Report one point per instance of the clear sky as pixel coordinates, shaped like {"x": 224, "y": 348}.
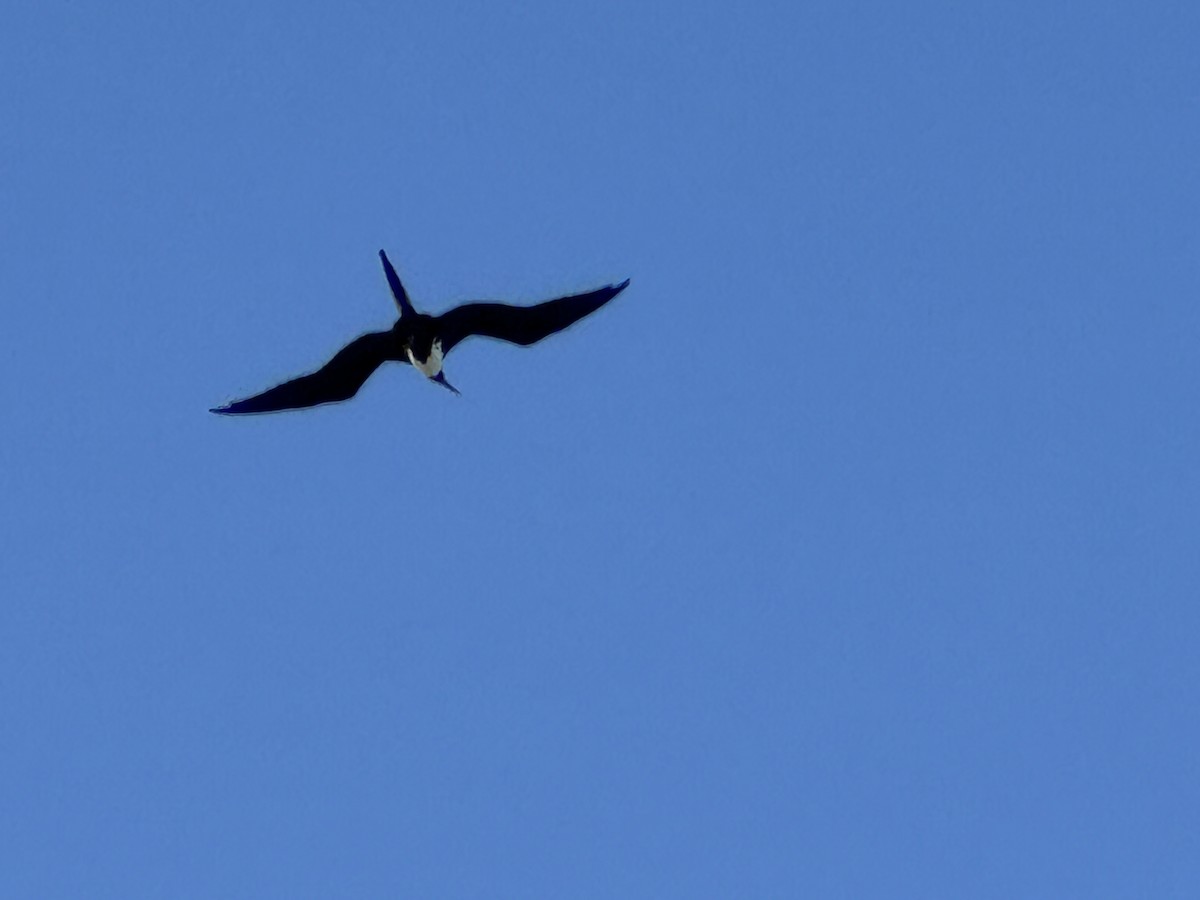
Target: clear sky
{"x": 851, "y": 552}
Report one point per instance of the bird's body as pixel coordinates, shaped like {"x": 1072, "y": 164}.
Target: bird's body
{"x": 422, "y": 341}
{"x": 432, "y": 364}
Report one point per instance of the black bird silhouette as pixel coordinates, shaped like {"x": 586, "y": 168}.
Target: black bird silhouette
{"x": 423, "y": 341}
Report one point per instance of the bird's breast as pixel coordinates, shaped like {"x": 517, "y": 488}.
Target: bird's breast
{"x": 432, "y": 364}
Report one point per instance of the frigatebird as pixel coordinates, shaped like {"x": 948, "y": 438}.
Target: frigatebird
{"x": 423, "y": 341}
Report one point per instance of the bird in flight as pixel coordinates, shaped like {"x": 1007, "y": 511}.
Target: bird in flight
{"x": 423, "y": 341}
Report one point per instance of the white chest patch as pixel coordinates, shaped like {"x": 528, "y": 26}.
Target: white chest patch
{"x": 431, "y": 366}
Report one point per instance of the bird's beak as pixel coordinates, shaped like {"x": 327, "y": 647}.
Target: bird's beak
{"x": 440, "y": 378}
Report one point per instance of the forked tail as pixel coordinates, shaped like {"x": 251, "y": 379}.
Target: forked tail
{"x": 398, "y": 292}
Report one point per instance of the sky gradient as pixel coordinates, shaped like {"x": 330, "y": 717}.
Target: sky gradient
{"x": 850, "y": 552}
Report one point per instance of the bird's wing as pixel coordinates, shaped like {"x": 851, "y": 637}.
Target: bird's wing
{"x": 338, "y": 379}
{"x": 523, "y": 325}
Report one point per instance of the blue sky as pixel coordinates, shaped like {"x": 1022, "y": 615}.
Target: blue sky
{"x": 851, "y": 552}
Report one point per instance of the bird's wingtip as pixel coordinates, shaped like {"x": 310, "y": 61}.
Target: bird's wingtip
{"x": 624, "y": 284}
